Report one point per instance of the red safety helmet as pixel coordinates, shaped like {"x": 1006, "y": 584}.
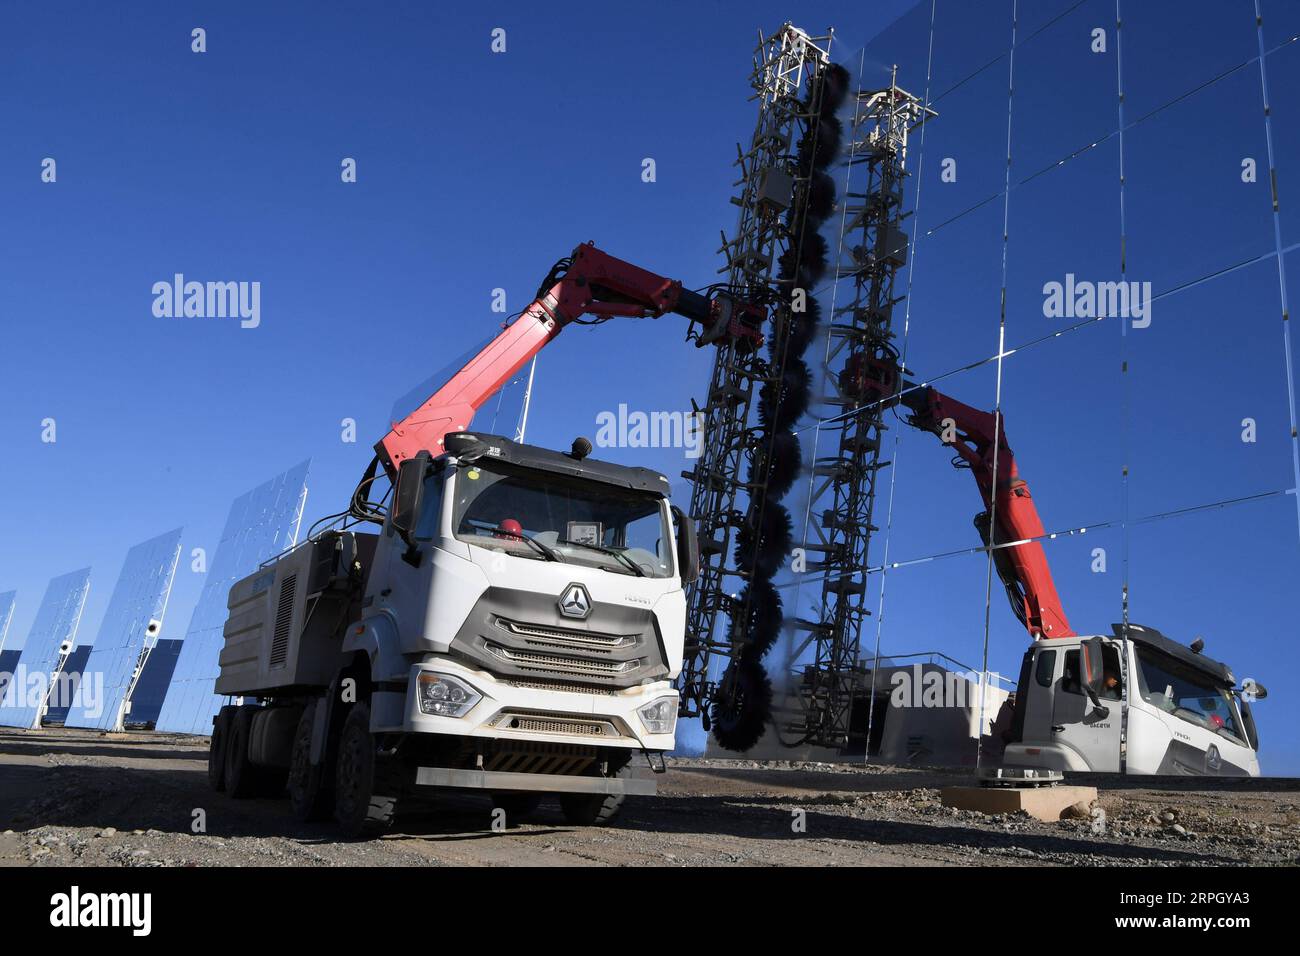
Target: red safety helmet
{"x": 509, "y": 528}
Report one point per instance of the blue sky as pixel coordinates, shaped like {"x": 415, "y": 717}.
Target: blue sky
{"x": 477, "y": 170}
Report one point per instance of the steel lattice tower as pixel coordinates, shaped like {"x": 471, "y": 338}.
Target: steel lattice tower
{"x": 859, "y": 362}
{"x": 784, "y": 63}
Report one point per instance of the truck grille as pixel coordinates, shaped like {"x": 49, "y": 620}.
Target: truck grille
{"x": 560, "y": 664}
{"x": 563, "y": 637}
{"x": 547, "y": 723}
{"x": 521, "y": 635}
{"x": 563, "y": 687}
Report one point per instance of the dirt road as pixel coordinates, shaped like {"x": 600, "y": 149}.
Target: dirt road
{"x": 76, "y": 797}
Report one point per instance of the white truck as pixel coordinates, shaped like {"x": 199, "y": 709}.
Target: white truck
{"x": 1134, "y": 701}
{"x": 1186, "y": 715}
{"x": 514, "y": 628}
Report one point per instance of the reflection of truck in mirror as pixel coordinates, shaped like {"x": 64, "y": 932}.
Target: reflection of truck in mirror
{"x": 513, "y": 628}
{"x": 1185, "y": 714}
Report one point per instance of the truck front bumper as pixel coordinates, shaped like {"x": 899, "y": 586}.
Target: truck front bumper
{"x": 545, "y": 714}
{"x": 497, "y": 780}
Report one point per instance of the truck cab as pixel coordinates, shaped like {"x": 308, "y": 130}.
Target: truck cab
{"x": 1185, "y": 715}
{"x": 514, "y": 628}
{"x": 540, "y": 590}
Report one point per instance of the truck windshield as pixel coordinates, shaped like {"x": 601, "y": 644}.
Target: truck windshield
{"x": 497, "y": 505}
{"x": 1182, "y": 691}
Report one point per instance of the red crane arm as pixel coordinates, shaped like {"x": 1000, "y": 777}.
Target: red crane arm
{"x": 979, "y": 436}
{"x": 591, "y": 282}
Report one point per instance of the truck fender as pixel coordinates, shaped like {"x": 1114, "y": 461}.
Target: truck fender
{"x": 319, "y": 729}
{"x": 327, "y": 717}
{"x": 376, "y": 637}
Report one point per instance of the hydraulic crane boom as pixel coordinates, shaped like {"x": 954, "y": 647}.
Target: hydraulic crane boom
{"x": 590, "y": 282}
{"x": 980, "y": 438}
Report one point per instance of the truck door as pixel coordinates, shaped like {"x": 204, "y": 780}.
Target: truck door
{"x": 1080, "y": 725}
{"x": 408, "y": 582}
{"x": 1039, "y": 691}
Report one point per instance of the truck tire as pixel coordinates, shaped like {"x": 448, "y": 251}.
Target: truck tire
{"x": 308, "y": 795}
{"x": 358, "y": 809}
{"x": 242, "y": 777}
{"x": 591, "y": 809}
{"x": 217, "y": 747}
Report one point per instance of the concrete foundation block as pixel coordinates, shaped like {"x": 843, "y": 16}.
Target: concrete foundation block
{"x": 1041, "y": 803}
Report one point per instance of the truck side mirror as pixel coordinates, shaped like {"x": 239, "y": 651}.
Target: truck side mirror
{"x": 1092, "y": 670}
{"x": 409, "y": 495}
{"x": 1253, "y": 690}
{"x": 1091, "y": 665}
{"x": 688, "y": 547}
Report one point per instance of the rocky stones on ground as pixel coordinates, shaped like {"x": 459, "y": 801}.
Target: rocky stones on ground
{"x": 118, "y": 809}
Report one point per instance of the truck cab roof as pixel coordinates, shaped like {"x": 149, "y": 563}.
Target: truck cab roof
{"x": 470, "y": 446}
{"x": 1152, "y": 638}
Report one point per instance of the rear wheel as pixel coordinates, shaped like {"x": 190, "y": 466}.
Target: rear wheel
{"x": 217, "y": 748}
{"x": 308, "y": 795}
{"x": 242, "y": 778}
{"x": 358, "y": 809}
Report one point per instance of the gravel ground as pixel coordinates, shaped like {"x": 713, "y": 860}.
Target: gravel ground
{"x": 81, "y": 798}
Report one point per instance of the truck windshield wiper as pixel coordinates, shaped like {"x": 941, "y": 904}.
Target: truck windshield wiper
{"x": 546, "y": 552}
{"x": 619, "y": 555}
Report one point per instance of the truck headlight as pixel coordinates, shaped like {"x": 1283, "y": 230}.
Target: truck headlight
{"x": 445, "y": 696}
{"x": 659, "y": 716}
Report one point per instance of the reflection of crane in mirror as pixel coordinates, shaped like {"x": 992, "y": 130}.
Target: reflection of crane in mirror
{"x": 521, "y": 426}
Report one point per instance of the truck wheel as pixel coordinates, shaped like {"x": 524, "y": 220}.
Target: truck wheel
{"x": 518, "y": 806}
{"x": 308, "y": 795}
{"x": 242, "y": 777}
{"x": 217, "y": 747}
{"x": 590, "y": 809}
{"x": 357, "y": 808}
